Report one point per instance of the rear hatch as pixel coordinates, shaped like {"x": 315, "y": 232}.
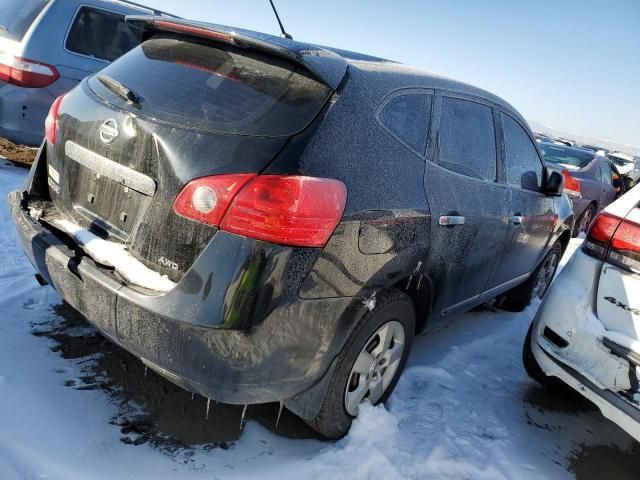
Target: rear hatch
{"x": 171, "y": 110}
{"x": 618, "y": 298}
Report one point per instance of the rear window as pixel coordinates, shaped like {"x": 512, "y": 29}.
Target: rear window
{"x": 566, "y": 156}
{"x": 16, "y": 16}
{"x": 215, "y": 88}
{"x": 100, "y": 34}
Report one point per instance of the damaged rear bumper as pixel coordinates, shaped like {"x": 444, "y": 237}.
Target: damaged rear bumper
{"x": 570, "y": 343}
{"x": 199, "y": 335}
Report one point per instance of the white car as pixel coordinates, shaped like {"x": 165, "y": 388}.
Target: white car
{"x": 586, "y": 334}
{"x": 627, "y": 166}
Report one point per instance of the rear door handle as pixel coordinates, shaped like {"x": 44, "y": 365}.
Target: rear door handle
{"x": 517, "y": 219}
{"x": 451, "y": 220}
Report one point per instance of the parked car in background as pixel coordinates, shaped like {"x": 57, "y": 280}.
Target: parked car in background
{"x": 541, "y": 137}
{"x": 599, "y": 150}
{"x": 586, "y": 334}
{"x": 275, "y": 221}
{"x": 47, "y": 47}
{"x": 588, "y": 180}
{"x": 564, "y": 141}
{"x": 627, "y": 166}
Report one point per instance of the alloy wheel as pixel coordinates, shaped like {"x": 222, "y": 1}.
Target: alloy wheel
{"x": 545, "y": 275}
{"x": 375, "y": 366}
{"x": 585, "y": 220}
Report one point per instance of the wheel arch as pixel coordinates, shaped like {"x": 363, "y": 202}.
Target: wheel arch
{"x": 419, "y": 288}
{"x": 564, "y": 239}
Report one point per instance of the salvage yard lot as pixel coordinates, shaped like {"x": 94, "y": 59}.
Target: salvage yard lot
{"x": 74, "y": 406}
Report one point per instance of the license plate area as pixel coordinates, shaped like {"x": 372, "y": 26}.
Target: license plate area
{"x": 106, "y": 194}
{"x": 105, "y": 203}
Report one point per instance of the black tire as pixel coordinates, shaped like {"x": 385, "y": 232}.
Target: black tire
{"x": 333, "y": 421}
{"x": 519, "y": 298}
{"x": 584, "y": 220}
{"x": 533, "y": 369}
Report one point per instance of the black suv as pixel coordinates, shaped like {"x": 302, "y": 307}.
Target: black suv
{"x": 264, "y": 220}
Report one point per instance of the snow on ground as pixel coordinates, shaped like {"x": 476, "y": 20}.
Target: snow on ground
{"x": 464, "y": 408}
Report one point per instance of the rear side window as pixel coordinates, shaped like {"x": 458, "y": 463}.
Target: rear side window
{"x": 605, "y": 174}
{"x": 407, "y": 116}
{"x": 16, "y": 16}
{"x": 522, "y": 163}
{"x": 189, "y": 83}
{"x": 100, "y": 34}
{"x": 466, "y": 141}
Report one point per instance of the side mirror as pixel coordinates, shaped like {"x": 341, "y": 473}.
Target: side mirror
{"x": 554, "y": 183}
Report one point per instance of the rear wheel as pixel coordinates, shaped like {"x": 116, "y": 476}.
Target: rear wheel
{"x": 582, "y": 225}
{"x": 536, "y": 286}
{"x": 369, "y": 365}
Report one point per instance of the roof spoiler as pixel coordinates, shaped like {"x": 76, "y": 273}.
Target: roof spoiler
{"x": 155, "y": 11}
{"x": 327, "y": 66}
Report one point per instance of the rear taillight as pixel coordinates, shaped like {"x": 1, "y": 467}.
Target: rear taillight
{"x": 51, "y": 122}
{"x": 625, "y": 246}
{"x": 206, "y": 199}
{"x": 572, "y": 185}
{"x": 600, "y": 234}
{"x": 615, "y": 240}
{"x": 288, "y": 210}
{"x": 26, "y": 73}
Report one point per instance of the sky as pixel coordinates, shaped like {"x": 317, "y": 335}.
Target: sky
{"x": 570, "y": 65}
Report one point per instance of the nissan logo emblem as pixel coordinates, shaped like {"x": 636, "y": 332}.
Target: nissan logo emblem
{"x": 109, "y": 131}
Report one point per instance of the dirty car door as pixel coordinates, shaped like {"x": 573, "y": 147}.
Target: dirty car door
{"x": 466, "y": 202}
{"x": 531, "y": 212}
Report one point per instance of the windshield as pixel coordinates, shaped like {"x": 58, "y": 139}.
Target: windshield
{"x": 573, "y": 158}
{"x": 16, "y": 16}
{"x": 217, "y": 88}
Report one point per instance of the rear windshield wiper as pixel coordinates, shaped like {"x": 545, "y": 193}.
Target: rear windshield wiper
{"x": 119, "y": 89}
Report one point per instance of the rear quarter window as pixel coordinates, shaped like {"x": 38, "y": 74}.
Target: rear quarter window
{"x": 16, "y": 16}
{"x": 211, "y": 87}
{"x": 100, "y": 34}
{"x": 406, "y": 116}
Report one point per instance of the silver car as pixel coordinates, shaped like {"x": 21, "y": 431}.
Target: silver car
{"x": 47, "y": 47}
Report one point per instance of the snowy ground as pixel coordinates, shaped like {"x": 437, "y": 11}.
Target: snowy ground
{"x": 73, "y": 406}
